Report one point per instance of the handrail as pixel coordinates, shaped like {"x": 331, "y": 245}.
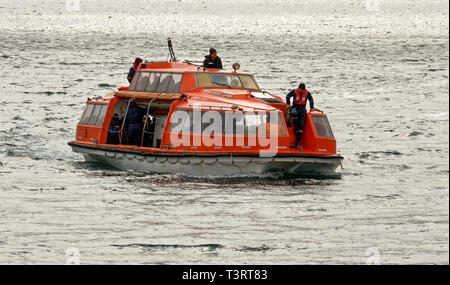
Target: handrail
{"x": 142, "y": 95}
{"x": 315, "y": 109}
{"x": 231, "y": 107}
{"x": 124, "y": 119}
{"x": 145, "y": 123}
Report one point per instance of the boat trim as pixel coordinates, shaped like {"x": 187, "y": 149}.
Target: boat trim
{"x": 227, "y": 154}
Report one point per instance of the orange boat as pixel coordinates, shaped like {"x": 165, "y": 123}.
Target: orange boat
{"x": 203, "y": 122}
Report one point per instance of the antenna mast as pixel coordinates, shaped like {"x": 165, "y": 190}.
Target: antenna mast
{"x": 172, "y": 54}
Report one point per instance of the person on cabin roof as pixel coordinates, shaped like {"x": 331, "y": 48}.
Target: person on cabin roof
{"x": 212, "y": 60}
{"x": 134, "y": 124}
{"x": 114, "y": 130}
{"x": 299, "y": 107}
{"x": 133, "y": 69}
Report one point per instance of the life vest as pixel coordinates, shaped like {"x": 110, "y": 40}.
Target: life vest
{"x": 300, "y": 99}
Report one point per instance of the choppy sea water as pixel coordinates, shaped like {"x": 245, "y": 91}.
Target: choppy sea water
{"x": 381, "y": 76}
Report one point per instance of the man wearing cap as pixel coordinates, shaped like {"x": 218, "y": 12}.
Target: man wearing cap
{"x": 133, "y": 69}
{"x": 212, "y": 60}
{"x": 299, "y": 107}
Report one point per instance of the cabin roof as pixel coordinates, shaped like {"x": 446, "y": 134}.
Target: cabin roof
{"x": 179, "y": 67}
{"x": 244, "y": 101}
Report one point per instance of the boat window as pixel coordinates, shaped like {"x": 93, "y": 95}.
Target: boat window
{"x": 228, "y": 123}
{"x": 87, "y": 114}
{"x": 142, "y": 81}
{"x": 226, "y": 80}
{"x": 181, "y": 121}
{"x": 221, "y": 80}
{"x": 248, "y": 82}
{"x": 323, "y": 128}
{"x": 101, "y": 116}
{"x": 153, "y": 82}
{"x": 281, "y": 126}
{"x": 233, "y": 123}
{"x": 134, "y": 80}
{"x": 253, "y": 122}
{"x": 163, "y": 82}
{"x": 157, "y": 82}
{"x": 260, "y": 123}
{"x": 94, "y": 115}
{"x": 175, "y": 83}
{"x": 203, "y": 80}
{"x": 212, "y": 122}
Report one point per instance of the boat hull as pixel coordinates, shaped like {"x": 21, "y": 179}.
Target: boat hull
{"x": 211, "y": 165}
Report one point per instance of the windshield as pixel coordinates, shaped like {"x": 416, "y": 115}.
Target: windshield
{"x": 226, "y": 80}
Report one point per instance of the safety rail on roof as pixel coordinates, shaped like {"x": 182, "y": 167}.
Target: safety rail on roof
{"x": 233, "y": 107}
{"x": 148, "y": 95}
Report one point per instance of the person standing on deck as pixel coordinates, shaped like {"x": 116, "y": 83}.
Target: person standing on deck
{"x": 134, "y": 124}
{"x": 133, "y": 69}
{"x": 212, "y": 60}
{"x": 299, "y": 107}
{"x": 114, "y": 130}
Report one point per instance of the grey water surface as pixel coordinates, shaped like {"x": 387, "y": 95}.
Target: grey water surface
{"x": 381, "y": 75}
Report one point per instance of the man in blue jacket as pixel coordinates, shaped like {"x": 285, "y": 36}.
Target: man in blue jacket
{"x": 299, "y": 107}
{"x": 134, "y": 124}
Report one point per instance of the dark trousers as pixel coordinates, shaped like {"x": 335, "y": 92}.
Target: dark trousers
{"x": 113, "y": 135}
{"x": 301, "y": 119}
{"x": 134, "y": 134}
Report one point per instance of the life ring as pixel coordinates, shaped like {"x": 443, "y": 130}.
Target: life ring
{"x": 184, "y": 161}
{"x": 172, "y": 160}
{"x": 195, "y": 161}
{"x": 241, "y": 164}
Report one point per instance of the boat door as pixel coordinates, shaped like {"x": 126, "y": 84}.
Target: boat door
{"x": 160, "y": 122}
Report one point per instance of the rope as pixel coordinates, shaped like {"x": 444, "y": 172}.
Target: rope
{"x": 264, "y": 162}
{"x": 148, "y": 159}
{"x": 242, "y": 164}
{"x": 113, "y": 155}
{"x": 129, "y": 157}
{"x": 169, "y": 161}
{"x": 190, "y": 161}
{"x": 161, "y": 160}
{"x": 184, "y": 161}
{"x": 210, "y": 163}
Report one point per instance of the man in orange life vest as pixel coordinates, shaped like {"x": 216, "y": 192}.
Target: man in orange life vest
{"x": 299, "y": 107}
